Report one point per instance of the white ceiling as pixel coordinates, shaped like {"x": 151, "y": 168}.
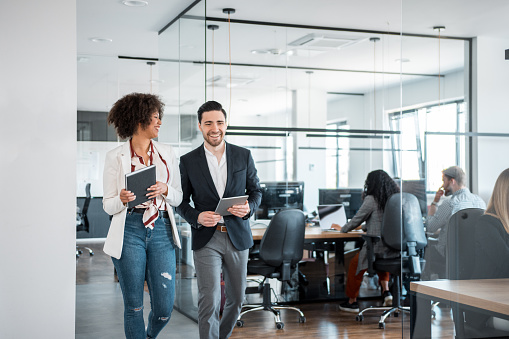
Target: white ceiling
{"x": 134, "y": 32}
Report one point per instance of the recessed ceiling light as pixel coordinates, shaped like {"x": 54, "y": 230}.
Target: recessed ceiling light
{"x": 157, "y": 81}
{"x": 274, "y": 51}
{"x": 402, "y": 60}
{"x": 106, "y": 40}
{"x": 260, "y": 51}
{"x": 83, "y": 59}
{"x": 135, "y": 3}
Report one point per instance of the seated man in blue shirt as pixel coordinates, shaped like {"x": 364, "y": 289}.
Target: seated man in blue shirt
{"x": 438, "y": 215}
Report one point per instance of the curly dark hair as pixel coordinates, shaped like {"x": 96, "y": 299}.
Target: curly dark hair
{"x": 134, "y": 109}
{"x": 381, "y": 186}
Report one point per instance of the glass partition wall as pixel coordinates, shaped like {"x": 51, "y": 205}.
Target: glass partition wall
{"x": 311, "y": 104}
{"x": 440, "y": 121}
{"x": 319, "y": 108}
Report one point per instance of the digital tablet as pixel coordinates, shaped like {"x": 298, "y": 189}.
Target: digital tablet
{"x": 225, "y": 203}
{"x": 138, "y": 182}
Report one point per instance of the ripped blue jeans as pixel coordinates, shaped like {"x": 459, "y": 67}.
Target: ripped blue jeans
{"x": 146, "y": 255}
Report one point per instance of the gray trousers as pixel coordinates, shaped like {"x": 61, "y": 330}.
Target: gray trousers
{"x": 219, "y": 254}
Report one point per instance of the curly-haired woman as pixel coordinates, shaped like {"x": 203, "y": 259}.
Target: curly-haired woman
{"x": 142, "y": 240}
{"x": 378, "y": 187}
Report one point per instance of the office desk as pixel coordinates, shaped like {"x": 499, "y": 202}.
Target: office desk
{"x": 488, "y": 296}
{"x": 316, "y": 235}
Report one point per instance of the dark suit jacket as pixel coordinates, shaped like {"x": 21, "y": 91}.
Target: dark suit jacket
{"x": 197, "y": 185}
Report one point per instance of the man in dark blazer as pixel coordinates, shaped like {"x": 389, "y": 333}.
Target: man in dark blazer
{"x": 213, "y": 171}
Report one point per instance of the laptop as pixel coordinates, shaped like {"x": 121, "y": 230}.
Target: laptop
{"x": 331, "y": 214}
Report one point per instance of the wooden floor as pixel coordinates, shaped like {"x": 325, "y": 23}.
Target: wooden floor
{"x": 324, "y": 320}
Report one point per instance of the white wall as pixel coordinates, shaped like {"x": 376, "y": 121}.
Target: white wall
{"x": 354, "y": 110}
{"x": 492, "y": 111}
{"x": 38, "y": 168}
{"x": 452, "y": 86}
{"x": 310, "y": 164}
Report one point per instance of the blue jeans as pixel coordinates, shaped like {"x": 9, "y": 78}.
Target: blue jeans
{"x": 146, "y": 255}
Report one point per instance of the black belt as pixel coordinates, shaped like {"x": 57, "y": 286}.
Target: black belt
{"x": 162, "y": 214}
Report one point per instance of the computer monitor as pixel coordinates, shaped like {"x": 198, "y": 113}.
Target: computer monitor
{"x": 279, "y": 195}
{"x": 417, "y": 188}
{"x": 351, "y": 198}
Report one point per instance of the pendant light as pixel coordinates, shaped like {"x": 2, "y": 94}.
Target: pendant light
{"x": 439, "y": 29}
{"x": 213, "y": 28}
{"x": 229, "y": 11}
{"x": 375, "y": 40}
{"x": 309, "y": 73}
{"x": 151, "y": 63}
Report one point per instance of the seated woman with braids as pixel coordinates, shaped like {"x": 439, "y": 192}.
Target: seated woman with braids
{"x": 378, "y": 187}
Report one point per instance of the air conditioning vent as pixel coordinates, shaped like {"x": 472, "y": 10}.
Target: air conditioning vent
{"x": 321, "y": 41}
{"x": 220, "y": 81}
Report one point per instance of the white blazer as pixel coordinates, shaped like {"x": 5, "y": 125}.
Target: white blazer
{"x": 117, "y": 164}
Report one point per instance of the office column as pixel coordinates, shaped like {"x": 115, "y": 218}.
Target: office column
{"x": 310, "y": 111}
{"x": 38, "y": 176}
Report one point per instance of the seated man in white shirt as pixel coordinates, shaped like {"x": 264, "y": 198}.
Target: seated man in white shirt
{"x": 438, "y": 215}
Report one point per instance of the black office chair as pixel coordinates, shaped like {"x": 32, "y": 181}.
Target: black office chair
{"x": 460, "y": 249}
{"x": 82, "y": 220}
{"x": 281, "y": 249}
{"x": 460, "y": 258}
{"x": 402, "y": 230}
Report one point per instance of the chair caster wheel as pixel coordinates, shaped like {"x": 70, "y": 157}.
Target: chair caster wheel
{"x": 302, "y": 320}
{"x": 396, "y": 314}
{"x": 381, "y": 325}
{"x": 240, "y": 323}
{"x": 359, "y": 317}
{"x": 280, "y": 325}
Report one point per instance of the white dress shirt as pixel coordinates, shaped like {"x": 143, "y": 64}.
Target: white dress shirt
{"x": 218, "y": 171}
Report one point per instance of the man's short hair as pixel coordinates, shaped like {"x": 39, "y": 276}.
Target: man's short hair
{"x": 208, "y": 107}
{"x": 456, "y": 173}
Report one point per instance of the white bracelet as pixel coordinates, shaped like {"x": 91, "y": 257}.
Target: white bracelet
{"x": 434, "y": 203}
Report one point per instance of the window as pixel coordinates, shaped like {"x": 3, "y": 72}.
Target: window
{"x": 337, "y": 157}
{"x": 441, "y": 151}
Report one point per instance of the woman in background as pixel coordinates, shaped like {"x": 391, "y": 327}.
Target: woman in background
{"x": 378, "y": 187}
{"x": 142, "y": 240}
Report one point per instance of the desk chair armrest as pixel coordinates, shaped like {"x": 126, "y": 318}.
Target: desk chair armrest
{"x": 415, "y": 260}
{"x": 370, "y": 241}
{"x": 432, "y": 236}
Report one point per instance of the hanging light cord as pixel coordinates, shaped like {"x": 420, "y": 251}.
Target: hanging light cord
{"x": 374, "y": 80}
{"x": 230, "y": 62}
{"x": 439, "y": 67}
{"x": 374, "y": 39}
{"x": 309, "y": 99}
{"x": 213, "y": 80}
{"x": 151, "y": 79}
